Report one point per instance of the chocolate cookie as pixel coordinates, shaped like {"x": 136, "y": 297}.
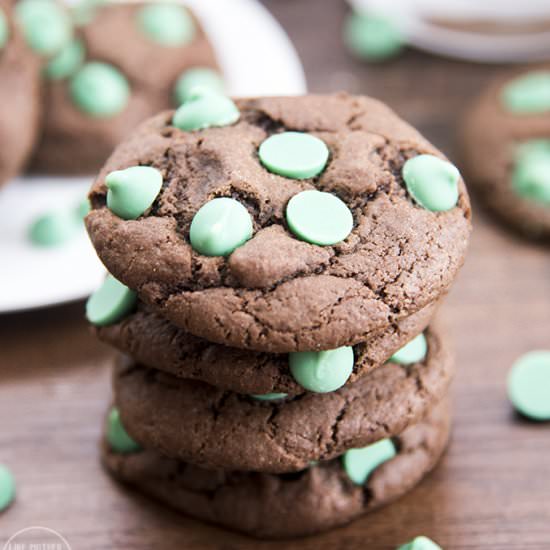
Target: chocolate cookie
{"x": 19, "y": 95}
{"x": 277, "y": 506}
{"x": 124, "y": 65}
{"x": 216, "y": 429}
{"x": 505, "y": 141}
{"x": 284, "y": 224}
{"x": 153, "y": 341}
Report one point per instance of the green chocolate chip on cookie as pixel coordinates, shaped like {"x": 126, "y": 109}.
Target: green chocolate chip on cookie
{"x": 46, "y": 25}
{"x": 322, "y": 371}
{"x": 531, "y": 173}
{"x": 360, "y": 463}
{"x": 99, "y": 90}
{"x": 528, "y": 94}
{"x": 420, "y": 543}
{"x": 7, "y": 487}
{"x": 529, "y": 385}
{"x": 432, "y": 182}
{"x": 294, "y": 155}
{"x": 220, "y": 226}
{"x": 413, "y": 352}
{"x": 111, "y": 302}
{"x": 168, "y": 24}
{"x": 117, "y": 436}
{"x": 270, "y": 396}
{"x": 4, "y": 29}
{"x": 372, "y": 37}
{"x": 197, "y": 79}
{"x": 206, "y": 110}
{"x": 54, "y": 228}
{"x": 66, "y": 62}
{"x": 319, "y": 218}
{"x": 132, "y": 191}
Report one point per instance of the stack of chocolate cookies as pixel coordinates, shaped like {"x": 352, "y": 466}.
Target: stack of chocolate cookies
{"x": 275, "y": 265}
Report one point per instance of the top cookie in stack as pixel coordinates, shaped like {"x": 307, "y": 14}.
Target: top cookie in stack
{"x": 290, "y": 224}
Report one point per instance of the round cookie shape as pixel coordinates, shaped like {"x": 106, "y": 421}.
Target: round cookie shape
{"x": 338, "y": 501}
{"x": 322, "y": 371}
{"x": 275, "y": 436}
{"x": 110, "y": 302}
{"x": 67, "y": 61}
{"x": 117, "y": 436}
{"x": 512, "y": 185}
{"x": 531, "y": 174}
{"x": 432, "y": 182}
{"x": 100, "y": 90}
{"x": 529, "y": 385}
{"x": 277, "y": 293}
{"x": 206, "y": 110}
{"x": 219, "y": 227}
{"x": 167, "y": 24}
{"x": 154, "y": 341}
{"x": 197, "y": 79}
{"x": 74, "y": 140}
{"x": 319, "y": 218}
{"x": 20, "y": 76}
{"x": 7, "y": 487}
{"x": 133, "y": 190}
{"x": 294, "y": 155}
{"x": 528, "y": 94}
{"x": 46, "y": 25}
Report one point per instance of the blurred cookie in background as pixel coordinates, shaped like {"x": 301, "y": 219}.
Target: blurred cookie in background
{"x": 505, "y": 144}
{"x": 19, "y": 94}
{"x": 125, "y": 63}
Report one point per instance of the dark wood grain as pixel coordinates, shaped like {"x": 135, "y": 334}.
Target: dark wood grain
{"x": 492, "y": 490}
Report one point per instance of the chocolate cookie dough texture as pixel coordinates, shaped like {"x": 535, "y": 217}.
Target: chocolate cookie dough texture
{"x": 19, "y": 93}
{"x": 124, "y": 63}
{"x": 274, "y": 268}
{"x": 505, "y": 142}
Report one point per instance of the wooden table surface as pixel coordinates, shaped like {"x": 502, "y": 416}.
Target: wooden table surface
{"x": 492, "y": 490}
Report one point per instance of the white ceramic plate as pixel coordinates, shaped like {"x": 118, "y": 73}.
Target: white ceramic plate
{"x": 415, "y": 20}
{"x": 256, "y": 57}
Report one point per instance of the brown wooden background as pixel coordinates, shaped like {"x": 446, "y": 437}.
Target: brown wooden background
{"x": 492, "y": 490}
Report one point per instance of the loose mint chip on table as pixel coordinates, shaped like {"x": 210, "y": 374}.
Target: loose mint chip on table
{"x": 529, "y": 385}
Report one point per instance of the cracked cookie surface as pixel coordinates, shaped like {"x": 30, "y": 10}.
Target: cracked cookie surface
{"x": 19, "y": 97}
{"x": 216, "y": 429}
{"x": 74, "y": 142}
{"x": 278, "y": 506}
{"x": 156, "y": 342}
{"x": 277, "y": 293}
